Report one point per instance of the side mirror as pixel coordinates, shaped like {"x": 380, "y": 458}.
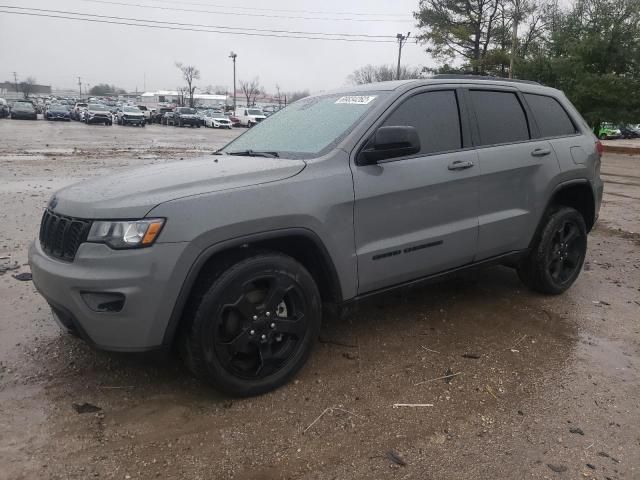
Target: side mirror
{"x": 390, "y": 142}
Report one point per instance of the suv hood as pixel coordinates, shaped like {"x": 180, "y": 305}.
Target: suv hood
{"x": 132, "y": 193}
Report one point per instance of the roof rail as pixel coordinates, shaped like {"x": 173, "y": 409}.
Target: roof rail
{"x": 448, "y": 76}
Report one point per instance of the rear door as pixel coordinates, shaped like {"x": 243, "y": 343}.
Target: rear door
{"x": 515, "y": 169}
{"x": 417, "y": 215}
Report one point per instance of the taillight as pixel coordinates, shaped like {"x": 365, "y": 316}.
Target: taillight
{"x": 599, "y": 147}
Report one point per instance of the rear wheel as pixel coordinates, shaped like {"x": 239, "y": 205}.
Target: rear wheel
{"x": 252, "y": 327}
{"x": 555, "y": 260}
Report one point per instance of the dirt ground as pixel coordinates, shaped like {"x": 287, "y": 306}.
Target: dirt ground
{"x": 547, "y": 387}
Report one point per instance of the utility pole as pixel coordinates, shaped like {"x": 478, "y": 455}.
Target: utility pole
{"x": 402, "y": 39}
{"x": 233, "y": 56}
{"x": 514, "y": 36}
{"x": 15, "y": 79}
{"x": 80, "y": 86}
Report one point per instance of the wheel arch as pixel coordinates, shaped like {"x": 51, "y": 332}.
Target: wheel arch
{"x": 577, "y": 194}
{"x": 302, "y": 244}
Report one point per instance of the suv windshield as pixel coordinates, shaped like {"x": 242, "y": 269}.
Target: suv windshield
{"x": 255, "y": 111}
{"x": 186, "y": 110}
{"x": 308, "y": 127}
{"x": 23, "y": 106}
{"x": 97, "y": 107}
{"x": 131, "y": 109}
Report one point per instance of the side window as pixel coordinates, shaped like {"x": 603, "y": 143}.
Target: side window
{"x": 435, "y": 116}
{"x": 551, "y": 118}
{"x": 500, "y": 117}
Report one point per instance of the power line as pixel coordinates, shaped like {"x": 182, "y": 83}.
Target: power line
{"x": 242, "y": 29}
{"x": 167, "y": 27}
{"x": 317, "y": 12}
{"x": 240, "y": 14}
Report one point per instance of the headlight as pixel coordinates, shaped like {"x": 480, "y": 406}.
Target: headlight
{"x": 126, "y": 234}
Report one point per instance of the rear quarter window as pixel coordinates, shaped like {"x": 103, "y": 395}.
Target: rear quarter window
{"x": 551, "y": 117}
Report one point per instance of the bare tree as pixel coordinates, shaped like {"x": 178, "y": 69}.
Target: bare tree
{"x": 251, "y": 90}
{"x": 189, "y": 73}
{"x": 293, "y": 96}
{"x": 27, "y": 86}
{"x": 382, "y": 73}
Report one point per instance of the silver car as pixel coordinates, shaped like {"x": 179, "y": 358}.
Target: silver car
{"x": 236, "y": 257}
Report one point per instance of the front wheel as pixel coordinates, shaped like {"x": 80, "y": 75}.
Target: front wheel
{"x": 556, "y": 258}
{"x": 252, "y": 327}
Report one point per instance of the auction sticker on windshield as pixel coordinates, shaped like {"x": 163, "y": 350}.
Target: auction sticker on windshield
{"x": 356, "y": 99}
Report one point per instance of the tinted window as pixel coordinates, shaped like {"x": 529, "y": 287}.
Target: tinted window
{"x": 435, "y": 116}
{"x": 500, "y": 117}
{"x": 551, "y": 118}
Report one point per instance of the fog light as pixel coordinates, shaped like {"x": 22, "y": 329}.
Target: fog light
{"x": 104, "y": 302}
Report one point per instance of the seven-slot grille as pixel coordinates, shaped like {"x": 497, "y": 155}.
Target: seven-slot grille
{"x": 61, "y": 236}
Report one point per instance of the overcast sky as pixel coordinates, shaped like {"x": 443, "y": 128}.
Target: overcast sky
{"x": 57, "y": 51}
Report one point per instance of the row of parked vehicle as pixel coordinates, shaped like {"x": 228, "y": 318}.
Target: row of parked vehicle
{"x": 609, "y": 131}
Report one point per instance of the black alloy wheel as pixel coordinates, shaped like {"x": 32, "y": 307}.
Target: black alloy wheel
{"x": 556, "y": 257}
{"x": 254, "y": 327}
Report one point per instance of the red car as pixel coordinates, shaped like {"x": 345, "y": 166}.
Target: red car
{"x": 235, "y": 121}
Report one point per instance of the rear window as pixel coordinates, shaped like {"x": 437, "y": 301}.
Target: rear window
{"x": 551, "y": 118}
{"x": 500, "y": 117}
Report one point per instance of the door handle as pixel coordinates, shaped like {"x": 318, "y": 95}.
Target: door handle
{"x": 460, "y": 165}
{"x": 540, "y": 152}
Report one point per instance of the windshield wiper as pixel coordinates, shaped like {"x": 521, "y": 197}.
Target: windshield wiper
{"x": 254, "y": 153}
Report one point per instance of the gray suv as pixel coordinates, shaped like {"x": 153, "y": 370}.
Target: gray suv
{"x": 234, "y": 257}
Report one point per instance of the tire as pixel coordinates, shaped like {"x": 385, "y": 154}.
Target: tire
{"x": 198, "y": 125}
{"x": 236, "y": 320}
{"x": 142, "y": 124}
{"x": 555, "y": 260}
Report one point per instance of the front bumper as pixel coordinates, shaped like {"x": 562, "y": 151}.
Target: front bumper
{"x": 188, "y": 121}
{"x": 148, "y": 278}
{"x": 24, "y": 116}
{"x": 134, "y": 120}
{"x": 98, "y": 119}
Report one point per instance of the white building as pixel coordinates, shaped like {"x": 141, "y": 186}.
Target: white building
{"x": 173, "y": 97}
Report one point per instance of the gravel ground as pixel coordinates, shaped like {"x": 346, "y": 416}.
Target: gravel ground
{"x": 548, "y": 387}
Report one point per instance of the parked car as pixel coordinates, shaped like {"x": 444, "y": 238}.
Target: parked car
{"x": 157, "y": 115}
{"x": 185, "y": 116}
{"x": 98, "y": 113}
{"x": 250, "y": 116}
{"x": 608, "y": 131}
{"x": 57, "y": 112}
{"x": 629, "y": 131}
{"x": 76, "y": 112}
{"x": 128, "y": 115}
{"x": 216, "y": 120}
{"x": 167, "y": 118}
{"x": 4, "y": 108}
{"x": 235, "y": 121}
{"x": 236, "y": 261}
{"x": 23, "y": 111}
{"x": 148, "y": 112}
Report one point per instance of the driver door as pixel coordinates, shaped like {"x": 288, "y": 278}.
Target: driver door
{"x": 418, "y": 215}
